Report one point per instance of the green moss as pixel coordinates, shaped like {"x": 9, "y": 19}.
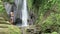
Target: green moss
{"x": 10, "y": 29}
{"x": 3, "y": 11}
{"x": 54, "y": 33}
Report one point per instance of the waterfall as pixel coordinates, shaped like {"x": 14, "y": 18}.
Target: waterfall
{"x": 20, "y": 11}
{"x": 24, "y": 14}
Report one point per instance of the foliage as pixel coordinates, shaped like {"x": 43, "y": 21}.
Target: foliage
{"x": 14, "y": 30}
{"x": 3, "y": 11}
{"x": 48, "y": 12}
{"x": 10, "y": 1}
{"x": 9, "y": 29}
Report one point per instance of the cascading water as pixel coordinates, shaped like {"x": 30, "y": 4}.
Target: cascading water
{"x": 20, "y": 11}
{"x": 24, "y": 14}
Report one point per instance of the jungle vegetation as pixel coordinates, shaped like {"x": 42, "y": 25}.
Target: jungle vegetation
{"x": 48, "y": 14}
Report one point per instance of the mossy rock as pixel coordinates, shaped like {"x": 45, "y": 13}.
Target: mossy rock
{"x": 9, "y": 29}
{"x": 54, "y": 33}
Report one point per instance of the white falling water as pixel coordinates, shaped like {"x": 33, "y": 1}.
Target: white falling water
{"x": 24, "y": 14}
